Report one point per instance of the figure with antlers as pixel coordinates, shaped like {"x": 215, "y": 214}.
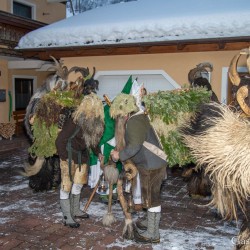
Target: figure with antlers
{"x": 198, "y": 184}
{"x": 141, "y": 146}
{"x": 80, "y": 134}
{"x": 54, "y": 103}
{"x": 65, "y": 121}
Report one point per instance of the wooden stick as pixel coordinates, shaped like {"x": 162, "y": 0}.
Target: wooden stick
{"x": 91, "y": 196}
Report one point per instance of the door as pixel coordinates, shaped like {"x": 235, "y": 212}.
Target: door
{"x": 23, "y": 91}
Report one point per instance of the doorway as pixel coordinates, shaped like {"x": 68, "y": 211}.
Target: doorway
{"x": 23, "y": 89}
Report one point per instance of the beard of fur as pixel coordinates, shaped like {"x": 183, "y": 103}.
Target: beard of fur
{"x": 92, "y": 130}
{"x": 120, "y": 132}
{"x": 224, "y": 151}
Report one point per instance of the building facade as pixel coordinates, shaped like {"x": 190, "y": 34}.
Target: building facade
{"x": 19, "y": 76}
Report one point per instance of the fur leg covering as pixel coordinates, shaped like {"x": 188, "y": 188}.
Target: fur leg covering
{"x": 128, "y": 230}
{"x": 111, "y": 174}
{"x": 243, "y": 240}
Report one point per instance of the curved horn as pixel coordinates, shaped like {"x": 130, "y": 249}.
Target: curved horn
{"x": 191, "y": 75}
{"x": 241, "y": 95}
{"x": 58, "y": 64}
{"x": 232, "y": 72}
{"x": 205, "y": 65}
{"x": 247, "y": 53}
{"x": 248, "y": 63}
{"x": 61, "y": 70}
{"x": 196, "y": 72}
{"x": 83, "y": 71}
{"x": 93, "y": 73}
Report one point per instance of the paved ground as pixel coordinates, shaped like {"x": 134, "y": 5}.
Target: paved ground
{"x": 33, "y": 220}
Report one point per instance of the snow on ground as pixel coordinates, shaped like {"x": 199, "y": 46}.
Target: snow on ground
{"x": 172, "y": 238}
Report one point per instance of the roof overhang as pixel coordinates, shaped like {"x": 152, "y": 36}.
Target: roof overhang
{"x": 37, "y": 65}
{"x": 196, "y": 45}
{"x": 20, "y": 22}
{"x": 56, "y": 1}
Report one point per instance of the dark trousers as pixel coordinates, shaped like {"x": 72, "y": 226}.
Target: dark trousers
{"x": 151, "y": 181}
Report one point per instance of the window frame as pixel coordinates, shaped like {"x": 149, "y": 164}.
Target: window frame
{"x": 225, "y": 80}
{"x": 33, "y": 7}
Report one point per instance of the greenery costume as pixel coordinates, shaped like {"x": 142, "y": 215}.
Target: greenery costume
{"x": 168, "y": 109}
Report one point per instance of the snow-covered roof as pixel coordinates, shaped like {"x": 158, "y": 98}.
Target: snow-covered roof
{"x": 145, "y": 21}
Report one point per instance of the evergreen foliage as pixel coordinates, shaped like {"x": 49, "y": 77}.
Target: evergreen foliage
{"x": 45, "y": 126}
{"x": 168, "y": 110}
{"x": 44, "y": 139}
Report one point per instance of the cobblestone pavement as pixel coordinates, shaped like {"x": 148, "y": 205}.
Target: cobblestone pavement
{"x": 31, "y": 220}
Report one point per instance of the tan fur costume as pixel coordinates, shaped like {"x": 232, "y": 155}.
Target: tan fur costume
{"x": 225, "y": 151}
{"x": 80, "y": 175}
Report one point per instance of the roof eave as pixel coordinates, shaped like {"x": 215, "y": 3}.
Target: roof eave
{"x": 177, "y": 46}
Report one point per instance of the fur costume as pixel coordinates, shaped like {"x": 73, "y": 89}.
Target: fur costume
{"x": 52, "y": 115}
{"x": 221, "y": 143}
{"x": 151, "y": 167}
{"x": 219, "y": 139}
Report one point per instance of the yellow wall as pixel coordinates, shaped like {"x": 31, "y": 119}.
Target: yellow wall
{"x": 6, "y": 83}
{"x": 4, "y": 6}
{"x": 176, "y": 65}
{"x": 4, "y": 106}
{"x": 52, "y": 11}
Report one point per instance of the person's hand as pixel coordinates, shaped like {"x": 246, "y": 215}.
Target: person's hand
{"x": 115, "y": 155}
{"x": 100, "y": 157}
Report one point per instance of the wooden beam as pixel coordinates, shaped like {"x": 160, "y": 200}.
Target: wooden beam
{"x": 140, "y": 48}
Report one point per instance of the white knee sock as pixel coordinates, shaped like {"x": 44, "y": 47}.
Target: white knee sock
{"x": 155, "y": 209}
{"x": 64, "y": 195}
{"x": 76, "y": 189}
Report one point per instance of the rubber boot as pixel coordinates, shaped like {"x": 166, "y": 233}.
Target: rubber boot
{"x": 67, "y": 218}
{"x": 75, "y": 207}
{"x": 152, "y": 234}
{"x": 142, "y": 224}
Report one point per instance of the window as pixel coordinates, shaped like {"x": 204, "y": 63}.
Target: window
{"x": 22, "y": 9}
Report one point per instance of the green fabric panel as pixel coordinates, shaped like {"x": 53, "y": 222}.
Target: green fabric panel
{"x": 10, "y": 105}
{"x": 109, "y": 131}
{"x": 128, "y": 86}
